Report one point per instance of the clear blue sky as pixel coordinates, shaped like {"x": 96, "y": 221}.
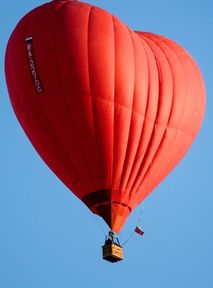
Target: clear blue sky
{"x": 49, "y": 239}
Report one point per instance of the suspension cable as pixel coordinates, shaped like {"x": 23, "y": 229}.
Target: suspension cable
{"x": 99, "y": 225}
{"x": 141, "y": 211}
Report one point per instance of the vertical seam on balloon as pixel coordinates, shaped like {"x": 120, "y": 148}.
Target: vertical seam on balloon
{"x": 198, "y": 75}
{"x": 60, "y": 81}
{"x": 177, "y": 130}
{"x": 153, "y": 36}
{"x": 59, "y": 77}
{"x": 142, "y": 130}
{"x": 167, "y": 44}
{"x": 67, "y": 109}
{"x": 170, "y": 113}
{"x": 114, "y": 99}
{"x": 92, "y": 99}
{"x": 114, "y": 92}
{"x": 113, "y": 126}
{"x": 59, "y": 8}
{"x": 170, "y": 46}
{"x": 132, "y": 112}
{"x": 141, "y": 133}
{"x": 153, "y": 128}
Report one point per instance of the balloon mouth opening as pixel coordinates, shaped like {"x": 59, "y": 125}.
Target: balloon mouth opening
{"x": 113, "y": 211}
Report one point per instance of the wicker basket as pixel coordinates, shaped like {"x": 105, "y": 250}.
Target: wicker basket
{"x": 112, "y": 252}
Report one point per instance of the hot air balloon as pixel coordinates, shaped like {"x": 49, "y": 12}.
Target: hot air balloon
{"x": 111, "y": 111}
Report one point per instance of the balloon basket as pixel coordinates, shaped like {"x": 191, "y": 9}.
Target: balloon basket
{"x": 112, "y": 253}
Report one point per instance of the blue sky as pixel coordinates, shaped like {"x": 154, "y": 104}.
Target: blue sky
{"x": 49, "y": 239}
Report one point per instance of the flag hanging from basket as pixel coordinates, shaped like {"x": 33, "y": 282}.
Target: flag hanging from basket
{"x": 139, "y": 231}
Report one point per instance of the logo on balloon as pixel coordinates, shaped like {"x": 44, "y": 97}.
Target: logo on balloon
{"x": 32, "y": 66}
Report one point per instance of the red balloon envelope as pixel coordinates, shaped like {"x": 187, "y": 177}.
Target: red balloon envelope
{"x": 111, "y": 111}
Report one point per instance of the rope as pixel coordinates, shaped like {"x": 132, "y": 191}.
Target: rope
{"x": 141, "y": 211}
{"x": 139, "y": 217}
{"x": 131, "y": 235}
{"x": 99, "y": 225}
